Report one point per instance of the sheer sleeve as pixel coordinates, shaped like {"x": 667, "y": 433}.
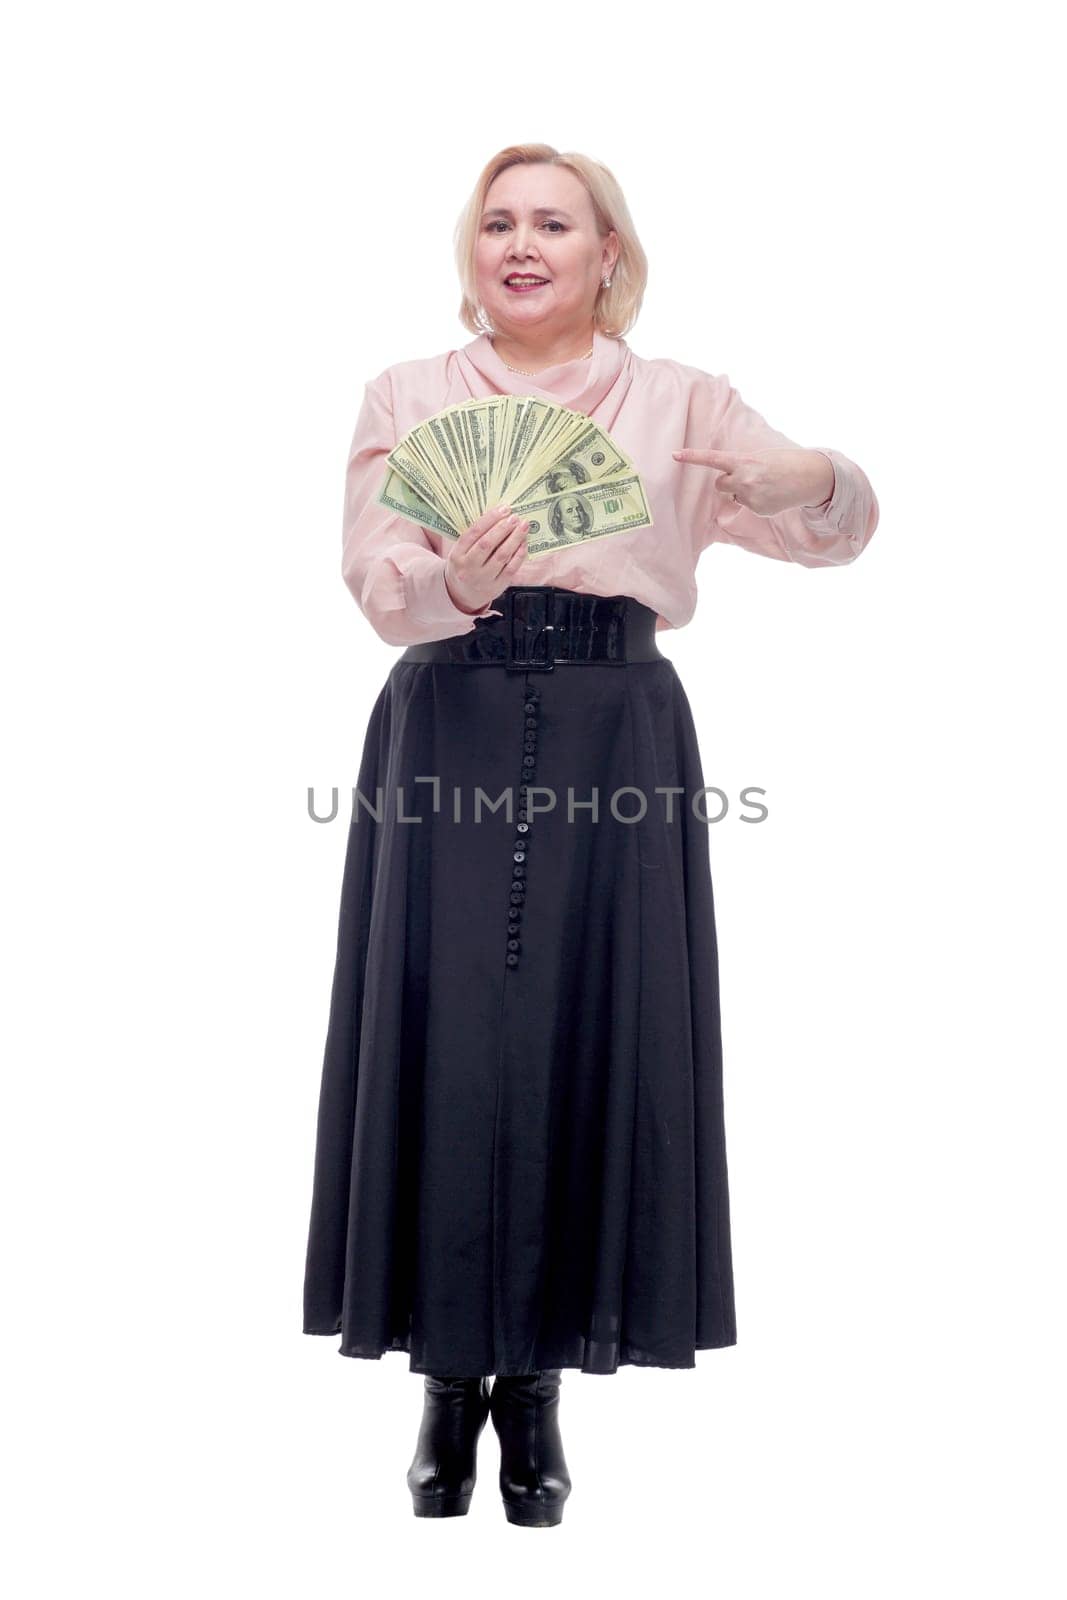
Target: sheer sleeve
{"x": 828, "y": 535}
{"x": 394, "y": 573}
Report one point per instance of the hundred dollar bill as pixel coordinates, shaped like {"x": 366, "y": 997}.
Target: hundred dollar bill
{"x": 589, "y": 512}
{"x": 593, "y": 458}
{"x": 398, "y": 496}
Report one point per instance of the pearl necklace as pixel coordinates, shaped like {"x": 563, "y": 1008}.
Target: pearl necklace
{"x": 522, "y": 371}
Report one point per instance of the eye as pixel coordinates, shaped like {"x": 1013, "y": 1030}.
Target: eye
{"x": 492, "y": 227}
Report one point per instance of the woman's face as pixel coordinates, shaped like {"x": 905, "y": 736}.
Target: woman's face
{"x": 538, "y": 219}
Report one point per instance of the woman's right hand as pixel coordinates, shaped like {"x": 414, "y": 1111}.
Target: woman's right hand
{"x": 485, "y": 558}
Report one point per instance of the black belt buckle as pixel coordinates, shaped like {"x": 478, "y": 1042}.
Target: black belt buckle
{"x": 529, "y": 615}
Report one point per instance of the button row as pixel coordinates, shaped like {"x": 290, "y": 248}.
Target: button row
{"x": 521, "y": 843}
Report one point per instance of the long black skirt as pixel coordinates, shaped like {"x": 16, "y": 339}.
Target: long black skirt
{"x": 520, "y": 1159}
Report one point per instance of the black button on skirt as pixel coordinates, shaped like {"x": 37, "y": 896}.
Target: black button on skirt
{"x": 520, "y": 1155}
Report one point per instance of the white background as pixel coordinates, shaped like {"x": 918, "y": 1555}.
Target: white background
{"x": 223, "y": 219}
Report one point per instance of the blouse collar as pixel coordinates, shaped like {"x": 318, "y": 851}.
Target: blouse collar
{"x": 580, "y": 384}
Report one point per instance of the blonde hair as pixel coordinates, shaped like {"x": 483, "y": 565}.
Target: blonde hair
{"x": 616, "y": 308}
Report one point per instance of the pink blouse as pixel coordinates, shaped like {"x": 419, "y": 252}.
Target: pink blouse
{"x": 396, "y": 571}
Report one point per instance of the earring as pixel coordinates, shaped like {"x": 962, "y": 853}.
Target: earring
{"x": 605, "y": 283}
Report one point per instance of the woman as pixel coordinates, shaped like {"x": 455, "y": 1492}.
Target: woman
{"x": 520, "y": 1159}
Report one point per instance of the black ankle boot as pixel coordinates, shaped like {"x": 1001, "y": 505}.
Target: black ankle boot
{"x": 534, "y": 1481}
{"x": 442, "y": 1476}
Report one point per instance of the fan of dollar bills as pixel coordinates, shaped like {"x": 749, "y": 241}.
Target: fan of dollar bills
{"x": 550, "y": 464}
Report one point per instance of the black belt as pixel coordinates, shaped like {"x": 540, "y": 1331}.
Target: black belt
{"x": 543, "y": 627}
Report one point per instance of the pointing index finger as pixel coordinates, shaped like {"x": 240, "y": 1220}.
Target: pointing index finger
{"x": 723, "y": 459}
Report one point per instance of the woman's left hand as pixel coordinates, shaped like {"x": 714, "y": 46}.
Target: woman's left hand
{"x": 768, "y": 481}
